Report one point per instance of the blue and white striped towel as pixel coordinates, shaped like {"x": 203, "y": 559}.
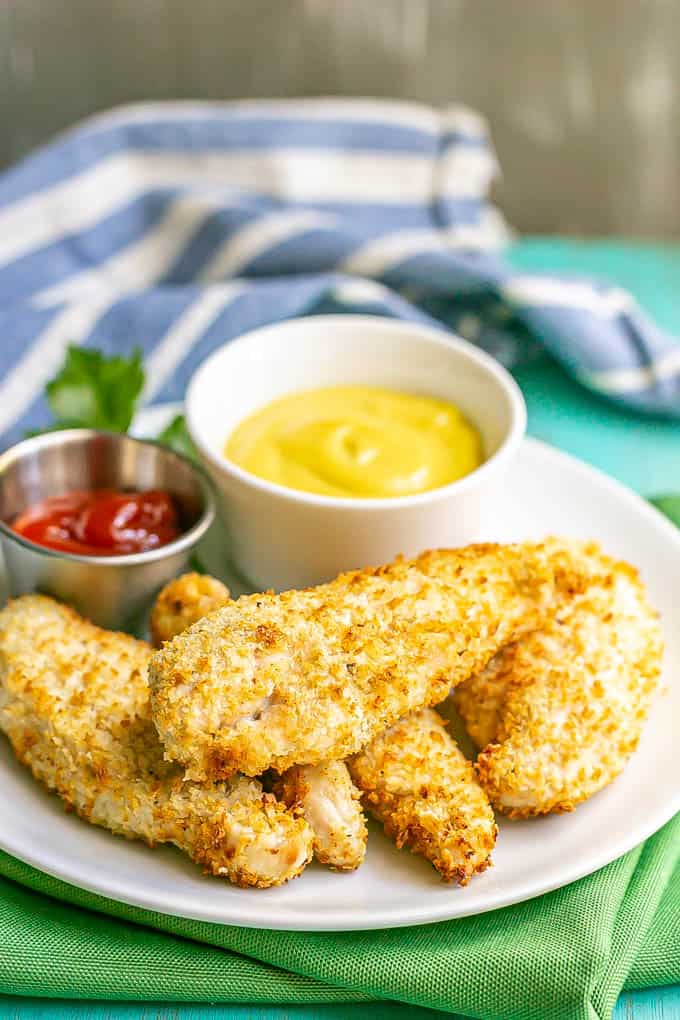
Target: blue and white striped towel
{"x": 178, "y": 226}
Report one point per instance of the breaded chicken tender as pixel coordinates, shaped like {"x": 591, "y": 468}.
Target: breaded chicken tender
{"x": 182, "y": 601}
{"x": 559, "y": 712}
{"x": 330, "y": 803}
{"x": 479, "y": 699}
{"x": 418, "y": 783}
{"x": 314, "y": 675}
{"x": 323, "y": 794}
{"x": 75, "y": 705}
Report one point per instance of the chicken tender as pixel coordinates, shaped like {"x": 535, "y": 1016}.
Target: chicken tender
{"x": 323, "y": 794}
{"x": 330, "y": 802}
{"x": 75, "y": 705}
{"x": 560, "y": 712}
{"x": 314, "y": 675}
{"x": 479, "y": 698}
{"x": 418, "y": 783}
{"x": 183, "y": 601}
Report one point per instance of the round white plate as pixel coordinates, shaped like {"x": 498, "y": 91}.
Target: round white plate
{"x": 548, "y": 492}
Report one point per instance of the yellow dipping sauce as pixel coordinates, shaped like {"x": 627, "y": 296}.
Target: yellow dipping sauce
{"x": 356, "y": 441}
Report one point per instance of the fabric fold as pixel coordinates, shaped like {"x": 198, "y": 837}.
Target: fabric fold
{"x": 113, "y": 231}
{"x": 565, "y": 955}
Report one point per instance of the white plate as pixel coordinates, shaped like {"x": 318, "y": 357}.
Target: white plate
{"x": 549, "y": 492}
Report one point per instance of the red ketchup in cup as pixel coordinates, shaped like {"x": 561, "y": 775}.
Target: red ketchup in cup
{"x": 101, "y": 522}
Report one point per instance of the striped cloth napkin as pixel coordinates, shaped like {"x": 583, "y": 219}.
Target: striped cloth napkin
{"x": 177, "y": 226}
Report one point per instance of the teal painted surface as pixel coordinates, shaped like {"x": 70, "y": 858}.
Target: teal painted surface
{"x": 37, "y": 1010}
{"x": 659, "y": 1004}
{"x": 642, "y": 453}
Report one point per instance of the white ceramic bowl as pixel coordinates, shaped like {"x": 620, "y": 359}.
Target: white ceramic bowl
{"x": 282, "y": 538}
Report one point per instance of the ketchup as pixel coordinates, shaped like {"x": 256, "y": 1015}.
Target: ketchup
{"x": 101, "y": 522}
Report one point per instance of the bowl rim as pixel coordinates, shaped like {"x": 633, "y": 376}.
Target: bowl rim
{"x": 185, "y": 541}
{"x": 361, "y": 504}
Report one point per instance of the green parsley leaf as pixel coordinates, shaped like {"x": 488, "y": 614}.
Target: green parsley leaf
{"x": 176, "y": 436}
{"x": 668, "y": 505}
{"x": 95, "y": 391}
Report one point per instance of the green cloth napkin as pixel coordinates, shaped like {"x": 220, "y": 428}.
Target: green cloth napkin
{"x": 564, "y": 955}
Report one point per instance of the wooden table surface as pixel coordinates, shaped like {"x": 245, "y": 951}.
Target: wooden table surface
{"x": 642, "y": 453}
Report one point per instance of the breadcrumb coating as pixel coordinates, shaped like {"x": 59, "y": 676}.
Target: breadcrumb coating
{"x": 560, "y": 712}
{"x": 75, "y": 705}
{"x": 419, "y": 784}
{"x": 323, "y": 794}
{"x": 182, "y": 601}
{"x": 480, "y": 697}
{"x": 330, "y": 803}
{"x": 314, "y": 675}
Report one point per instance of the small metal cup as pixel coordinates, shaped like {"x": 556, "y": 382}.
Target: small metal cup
{"x": 113, "y": 591}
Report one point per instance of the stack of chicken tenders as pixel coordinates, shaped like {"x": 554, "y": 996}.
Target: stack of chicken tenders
{"x": 260, "y": 729}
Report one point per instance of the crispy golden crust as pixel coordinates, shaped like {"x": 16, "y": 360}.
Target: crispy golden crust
{"x": 570, "y": 699}
{"x": 479, "y": 698}
{"x": 306, "y": 676}
{"x": 330, "y": 803}
{"x": 417, "y": 782}
{"x": 74, "y": 703}
{"x": 323, "y": 794}
{"x": 183, "y": 601}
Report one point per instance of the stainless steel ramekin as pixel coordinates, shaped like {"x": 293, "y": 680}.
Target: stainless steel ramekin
{"x": 113, "y": 591}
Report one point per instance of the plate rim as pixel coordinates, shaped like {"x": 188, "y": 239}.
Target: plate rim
{"x": 190, "y": 909}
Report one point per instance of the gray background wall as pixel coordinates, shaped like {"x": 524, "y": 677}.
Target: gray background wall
{"x": 582, "y": 95}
